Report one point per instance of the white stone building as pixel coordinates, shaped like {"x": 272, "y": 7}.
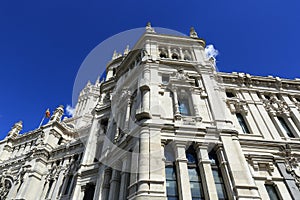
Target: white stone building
{"x": 163, "y": 125}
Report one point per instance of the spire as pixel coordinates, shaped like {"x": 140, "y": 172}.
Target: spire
{"x": 149, "y": 28}
{"x": 115, "y": 55}
{"x": 16, "y": 129}
{"x": 126, "y": 51}
{"x": 193, "y": 33}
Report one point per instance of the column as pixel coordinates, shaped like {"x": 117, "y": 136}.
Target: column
{"x": 91, "y": 145}
{"x": 243, "y": 183}
{"x": 268, "y": 122}
{"x": 127, "y": 118}
{"x": 146, "y": 98}
{"x": 157, "y": 166}
{"x": 182, "y": 172}
{"x": 195, "y": 101}
{"x": 106, "y": 184}
{"x": 114, "y": 184}
{"x": 181, "y": 54}
{"x": 176, "y": 106}
{"x": 163, "y": 171}
{"x": 294, "y": 128}
{"x": 22, "y": 149}
{"x": 206, "y": 172}
{"x": 59, "y": 184}
{"x": 144, "y": 158}
{"x": 294, "y": 111}
{"x": 125, "y": 175}
{"x": 225, "y": 172}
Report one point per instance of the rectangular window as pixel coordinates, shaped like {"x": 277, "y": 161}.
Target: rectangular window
{"x": 184, "y": 107}
{"x": 171, "y": 183}
{"x": 242, "y": 123}
{"x": 273, "y": 195}
{"x": 229, "y": 94}
{"x": 165, "y": 79}
{"x": 195, "y": 183}
{"x": 217, "y": 174}
{"x": 68, "y": 185}
{"x": 49, "y": 188}
{"x": 285, "y": 127}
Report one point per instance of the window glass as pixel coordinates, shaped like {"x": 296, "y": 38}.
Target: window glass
{"x": 184, "y": 106}
{"x": 171, "y": 183}
{"x": 229, "y": 94}
{"x": 285, "y": 127}
{"x": 165, "y": 79}
{"x": 272, "y": 192}
{"x": 191, "y": 158}
{"x": 220, "y": 185}
{"x": 242, "y": 123}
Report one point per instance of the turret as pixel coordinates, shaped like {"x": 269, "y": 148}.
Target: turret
{"x": 15, "y": 130}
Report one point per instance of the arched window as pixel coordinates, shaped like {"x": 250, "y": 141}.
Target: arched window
{"x": 163, "y": 53}
{"x": 175, "y": 56}
{"x": 194, "y": 175}
{"x": 219, "y": 182}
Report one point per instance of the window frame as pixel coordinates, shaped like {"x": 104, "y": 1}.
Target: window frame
{"x": 243, "y": 123}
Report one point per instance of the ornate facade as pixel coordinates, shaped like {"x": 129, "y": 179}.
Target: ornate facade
{"x": 164, "y": 124}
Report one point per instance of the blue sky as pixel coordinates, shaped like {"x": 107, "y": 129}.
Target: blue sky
{"x": 43, "y": 43}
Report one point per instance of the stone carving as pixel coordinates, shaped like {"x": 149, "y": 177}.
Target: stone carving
{"x": 292, "y": 162}
{"x": 275, "y": 106}
{"x": 53, "y": 173}
{"x": 244, "y": 79}
{"x": 5, "y": 186}
{"x": 237, "y": 105}
{"x": 193, "y": 33}
{"x": 39, "y": 142}
{"x": 180, "y": 75}
{"x": 149, "y": 28}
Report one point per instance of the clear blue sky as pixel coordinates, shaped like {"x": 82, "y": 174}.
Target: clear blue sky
{"x": 43, "y": 43}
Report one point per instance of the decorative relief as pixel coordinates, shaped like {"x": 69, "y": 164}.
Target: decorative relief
{"x": 237, "y": 105}
{"x": 261, "y": 164}
{"x": 246, "y": 80}
{"x": 292, "y": 162}
{"x": 275, "y": 106}
{"x": 5, "y": 186}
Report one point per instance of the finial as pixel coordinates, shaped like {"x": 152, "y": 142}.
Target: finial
{"x": 97, "y": 80}
{"x": 149, "y": 28}
{"x": 126, "y": 51}
{"x": 115, "y": 55}
{"x": 193, "y": 33}
{"x": 57, "y": 114}
{"x": 16, "y": 129}
{"x": 88, "y": 83}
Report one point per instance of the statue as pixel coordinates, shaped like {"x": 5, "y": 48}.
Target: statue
{"x": 193, "y": 33}
{"x": 149, "y": 28}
